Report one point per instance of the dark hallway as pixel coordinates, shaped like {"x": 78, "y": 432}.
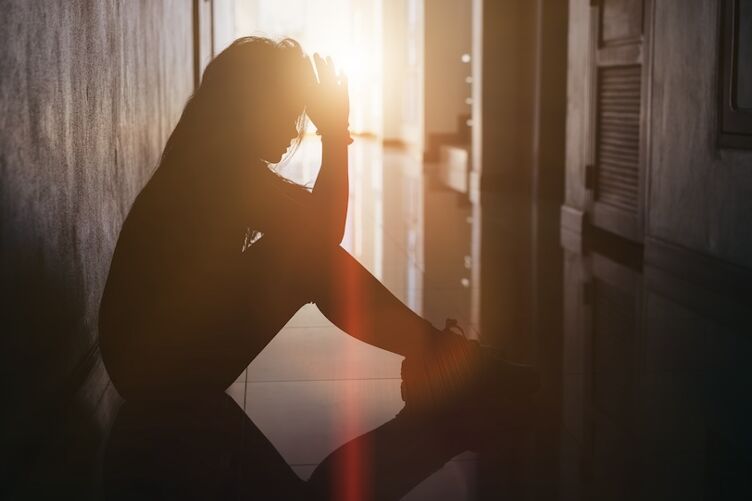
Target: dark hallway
{"x": 567, "y": 182}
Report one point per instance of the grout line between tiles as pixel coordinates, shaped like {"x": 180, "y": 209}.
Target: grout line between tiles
{"x": 323, "y": 380}
{"x": 453, "y": 460}
{"x": 245, "y": 388}
{"x": 308, "y": 326}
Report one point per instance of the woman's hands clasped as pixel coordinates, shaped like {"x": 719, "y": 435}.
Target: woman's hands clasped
{"x": 328, "y": 106}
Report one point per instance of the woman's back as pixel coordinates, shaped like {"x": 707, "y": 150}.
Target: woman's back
{"x": 178, "y": 279}
{"x": 175, "y": 237}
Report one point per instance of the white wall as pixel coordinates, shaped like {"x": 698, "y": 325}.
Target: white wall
{"x": 403, "y": 71}
{"x": 223, "y": 14}
{"x": 447, "y": 37}
{"x": 395, "y": 61}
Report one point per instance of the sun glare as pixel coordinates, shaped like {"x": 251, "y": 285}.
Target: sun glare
{"x": 347, "y": 30}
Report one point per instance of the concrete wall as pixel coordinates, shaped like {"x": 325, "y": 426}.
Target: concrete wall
{"x": 699, "y": 196}
{"x": 89, "y": 91}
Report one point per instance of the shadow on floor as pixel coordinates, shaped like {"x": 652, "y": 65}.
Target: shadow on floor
{"x": 208, "y": 448}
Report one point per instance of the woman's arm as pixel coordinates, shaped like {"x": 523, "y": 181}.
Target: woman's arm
{"x": 278, "y": 206}
{"x": 319, "y": 215}
{"x": 329, "y": 108}
{"x": 331, "y": 191}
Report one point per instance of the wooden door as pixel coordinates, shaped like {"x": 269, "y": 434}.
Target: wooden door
{"x": 612, "y": 360}
{"x": 616, "y": 175}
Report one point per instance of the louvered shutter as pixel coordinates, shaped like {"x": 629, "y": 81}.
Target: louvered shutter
{"x": 619, "y": 115}
{"x": 618, "y": 143}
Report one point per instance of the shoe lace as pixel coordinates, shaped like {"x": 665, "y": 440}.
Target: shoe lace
{"x": 451, "y": 325}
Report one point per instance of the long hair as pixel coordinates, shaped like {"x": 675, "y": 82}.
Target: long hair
{"x": 253, "y": 76}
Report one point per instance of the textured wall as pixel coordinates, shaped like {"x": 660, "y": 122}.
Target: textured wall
{"x": 89, "y": 91}
{"x": 699, "y": 196}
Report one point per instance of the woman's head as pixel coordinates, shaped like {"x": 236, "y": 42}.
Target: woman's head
{"x": 252, "y": 98}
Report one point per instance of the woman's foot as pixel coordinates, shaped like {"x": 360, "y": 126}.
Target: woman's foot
{"x": 456, "y": 370}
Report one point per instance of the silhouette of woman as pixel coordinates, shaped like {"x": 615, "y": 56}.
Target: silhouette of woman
{"x": 193, "y": 294}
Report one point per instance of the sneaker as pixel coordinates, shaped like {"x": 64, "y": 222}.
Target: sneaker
{"x": 457, "y": 371}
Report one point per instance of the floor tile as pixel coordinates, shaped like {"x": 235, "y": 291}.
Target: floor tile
{"x": 308, "y": 316}
{"x": 320, "y": 353}
{"x": 241, "y": 377}
{"x": 304, "y": 471}
{"x": 455, "y": 481}
{"x": 306, "y": 421}
{"x": 237, "y": 392}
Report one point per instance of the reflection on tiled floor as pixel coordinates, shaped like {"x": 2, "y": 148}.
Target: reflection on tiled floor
{"x": 314, "y": 388}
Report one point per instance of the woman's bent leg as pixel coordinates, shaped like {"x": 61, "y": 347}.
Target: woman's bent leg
{"x": 277, "y": 278}
{"x": 356, "y": 302}
{"x": 199, "y": 339}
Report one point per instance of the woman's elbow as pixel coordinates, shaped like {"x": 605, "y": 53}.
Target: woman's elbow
{"x": 318, "y": 236}
{"x": 332, "y": 235}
